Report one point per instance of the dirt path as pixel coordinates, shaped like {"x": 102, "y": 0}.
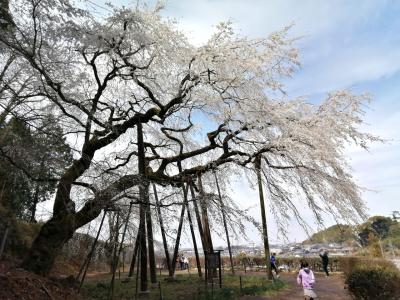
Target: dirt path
{"x": 327, "y": 288}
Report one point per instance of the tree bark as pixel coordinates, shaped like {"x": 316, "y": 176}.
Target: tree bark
{"x": 53, "y": 235}
{"x": 165, "y": 244}
{"x": 257, "y": 165}
{"x": 224, "y": 221}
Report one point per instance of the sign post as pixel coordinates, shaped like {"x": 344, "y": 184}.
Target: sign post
{"x": 212, "y": 263}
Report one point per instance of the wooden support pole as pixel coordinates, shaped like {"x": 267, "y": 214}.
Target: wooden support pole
{"x": 115, "y": 251}
{"x": 224, "y": 221}
{"x": 88, "y": 259}
{"x": 196, "y": 252}
{"x": 134, "y": 254}
{"x": 150, "y": 241}
{"x": 143, "y": 251}
{"x": 116, "y": 261}
{"x": 197, "y": 213}
{"x": 163, "y": 235}
{"x": 205, "y": 220}
{"x": 178, "y": 236}
{"x": 142, "y": 209}
{"x": 257, "y": 165}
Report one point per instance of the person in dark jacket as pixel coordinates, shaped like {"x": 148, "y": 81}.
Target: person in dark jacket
{"x": 273, "y": 264}
{"x": 325, "y": 262}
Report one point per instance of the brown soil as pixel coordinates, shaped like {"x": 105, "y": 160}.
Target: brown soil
{"x": 327, "y": 288}
{"x": 22, "y": 285}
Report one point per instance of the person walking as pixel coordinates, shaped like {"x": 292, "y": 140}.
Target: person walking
{"x": 306, "y": 279}
{"x": 325, "y": 262}
{"x": 186, "y": 262}
{"x": 272, "y": 259}
{"x": 181, "y": 262}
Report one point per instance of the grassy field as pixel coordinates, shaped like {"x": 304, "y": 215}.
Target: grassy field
{"x": 184, "y": 287}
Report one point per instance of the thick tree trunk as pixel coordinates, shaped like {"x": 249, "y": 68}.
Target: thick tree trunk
{"x": 224, "y": 221}
{"x": 60, "y": 228}
{"x": 257, "y": 165}
{"x": 163, "y": 235}
{"x": 52, "y": 236}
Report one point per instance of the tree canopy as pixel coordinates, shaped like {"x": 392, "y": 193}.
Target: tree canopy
{"x": 102, "y": 77}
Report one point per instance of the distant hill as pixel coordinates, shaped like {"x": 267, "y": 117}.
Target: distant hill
{"x": 375, "y": 234}
{"x": 335, "y": 234}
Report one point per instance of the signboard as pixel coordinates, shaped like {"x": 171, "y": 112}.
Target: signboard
{"x": 213, "y": 260}
{"x": 212, "y": 263}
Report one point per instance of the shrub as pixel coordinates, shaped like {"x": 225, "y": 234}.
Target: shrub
{"x": 350, "y": 263}
{"x": 374, "y": 282}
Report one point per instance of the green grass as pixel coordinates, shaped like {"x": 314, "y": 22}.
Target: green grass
{"x": 185, "y": 287}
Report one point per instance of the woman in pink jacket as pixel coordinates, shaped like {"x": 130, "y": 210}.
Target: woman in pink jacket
{"x": 306, "y": 279}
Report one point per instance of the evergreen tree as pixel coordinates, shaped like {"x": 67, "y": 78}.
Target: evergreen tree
{"x": 29, "y": 163}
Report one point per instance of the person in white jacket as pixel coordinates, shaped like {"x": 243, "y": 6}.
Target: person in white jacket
{"x": 306, "y": 279}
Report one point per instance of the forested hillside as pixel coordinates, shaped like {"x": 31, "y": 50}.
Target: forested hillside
{"x": 376, "y": 232}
